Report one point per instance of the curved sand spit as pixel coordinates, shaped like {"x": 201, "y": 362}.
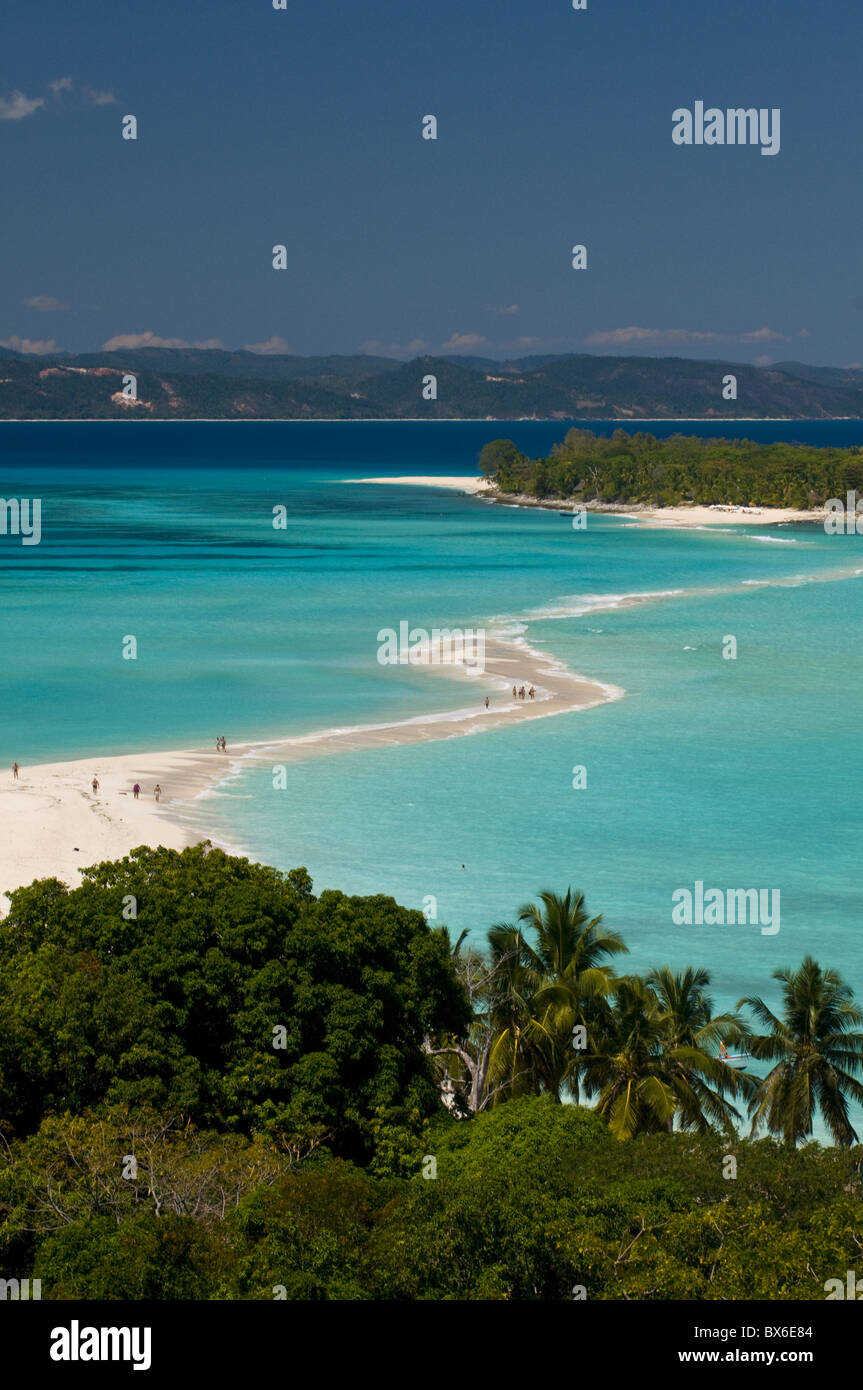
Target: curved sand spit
{"x": 54, "y": 824}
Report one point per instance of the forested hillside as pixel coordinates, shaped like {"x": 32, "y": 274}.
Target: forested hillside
{"x": 189, "y": 384}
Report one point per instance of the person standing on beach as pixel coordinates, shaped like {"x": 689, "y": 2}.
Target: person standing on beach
{"x": 95, "y": 783}
{"x": 135, "y": 790}
{"x": 15, "y": 771}
{"x": 486, "y": 702}
{"x": 514, "y": 693}
{"x": 218, "y": 745}
{"x": 531, "y": 692}
{"x": 157, "y": 791}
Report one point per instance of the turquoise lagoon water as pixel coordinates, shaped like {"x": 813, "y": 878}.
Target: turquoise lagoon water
{"x": 741, "y": 773}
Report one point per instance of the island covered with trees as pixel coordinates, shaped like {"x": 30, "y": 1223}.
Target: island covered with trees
{"x": 639, "y": 468}
{"x": 216, "y": 1085}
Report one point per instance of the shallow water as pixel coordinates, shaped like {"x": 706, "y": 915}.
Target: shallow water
{"x": 739, "y": 773}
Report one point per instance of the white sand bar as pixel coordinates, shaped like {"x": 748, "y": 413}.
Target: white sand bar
{"x": 461, "y": 484}
{"x": 721, "y": 516}
{"x": 717, "y": 515}
{"x": 55, "y": 824}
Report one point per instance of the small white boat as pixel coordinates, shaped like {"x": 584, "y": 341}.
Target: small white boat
{"x": 738, "y": 1060}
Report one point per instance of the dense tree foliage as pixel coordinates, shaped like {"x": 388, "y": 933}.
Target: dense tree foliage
{"x": 408, "y": 1140}
{"x": 530, "y": 1200}
{"x": 627, "y": 468}
{"x": 233, "y": 996}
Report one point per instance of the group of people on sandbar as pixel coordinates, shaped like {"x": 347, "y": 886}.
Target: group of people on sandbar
{"x": 221, "y": 745}
{"x": 95, "y": 784}
{"x": 136, "y": 789}
{"x": 518, "y": 693}
{"x": 157, "y": 791}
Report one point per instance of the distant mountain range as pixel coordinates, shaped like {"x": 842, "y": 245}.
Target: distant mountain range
{"x": 194, "y": 384}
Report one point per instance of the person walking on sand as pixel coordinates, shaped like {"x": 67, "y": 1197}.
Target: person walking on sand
{"x": 15, "y": 772}
{"x": 486, "y": 702}
{"x": 95, "y": 783}
{"x": 514, "y": 693}
{"x": 531, "y": 692}
{"x": 157, "y": 791}
{"x": 135, "y": 790}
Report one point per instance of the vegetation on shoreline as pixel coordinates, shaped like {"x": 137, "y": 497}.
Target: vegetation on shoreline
{"x": 628, "y": 468}
{"x": 324, "y": 1097}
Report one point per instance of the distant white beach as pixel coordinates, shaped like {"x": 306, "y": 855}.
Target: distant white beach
{"x": 666, "y": 516}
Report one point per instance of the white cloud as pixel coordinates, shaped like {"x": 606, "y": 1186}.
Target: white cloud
{"x": 503, "y": 308}
{"x": 16, "y": 107}
{"x": 616, "y": 337}
{"x": 29, "y": 345}
{"x": 139, "y": 340}
{"x": 418, "y": 347}
{"x": 45, "y": 303}
{"x": 620, "y": 337}
{"x": 463, "y": 342}
{"x": 273, "y": 347}
{"x": 373, "y": 347}
{"x": 763, "y": 335}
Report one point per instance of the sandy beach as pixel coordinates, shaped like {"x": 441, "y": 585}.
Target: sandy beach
{"x": 462, "y": 484}
{"x": 55, "y": 824}
{"x": 636, "y": 512}
{"x": 715, "y": 516}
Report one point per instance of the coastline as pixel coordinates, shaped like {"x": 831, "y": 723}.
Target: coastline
{"x": 422, "y": 420}
{"x": 638, "y": 512}
{"x": 55, "y": 825}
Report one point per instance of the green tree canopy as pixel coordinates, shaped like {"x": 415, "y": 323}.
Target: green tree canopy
{"x": 232, "y": 995}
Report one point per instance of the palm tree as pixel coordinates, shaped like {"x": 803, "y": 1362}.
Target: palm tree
{"x": 627, "y": 1068}
{"x": 650, "y": 1067}
{"x": 816, "y": 1051}
{"x": 570, "y": 944}
{"x": 545, "y": 988}
{"x": 518, "y": 1064}
{"x": 690, "y": 1034}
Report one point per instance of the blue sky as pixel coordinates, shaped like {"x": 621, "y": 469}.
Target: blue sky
{"x": 303, "y": 127}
